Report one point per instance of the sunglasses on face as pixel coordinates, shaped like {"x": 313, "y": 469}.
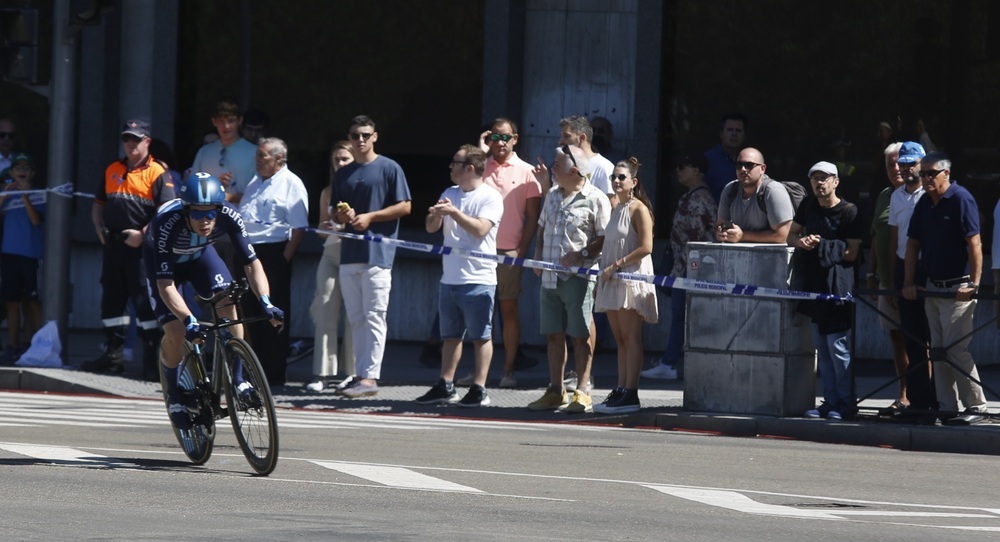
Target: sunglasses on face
{"x": 501, "y": 137}
{"x": 7, "y": 135}
{"x": 747, "y": 165}
{"x": 129, "y": 138}
{"x": 362, "y": 135}
{"x": 203, "y": 214}
{"x": 619, "y": 177}
{"x": 930, "y": 173}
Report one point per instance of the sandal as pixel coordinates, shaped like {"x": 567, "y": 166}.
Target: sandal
{"x": 894, "y": 409}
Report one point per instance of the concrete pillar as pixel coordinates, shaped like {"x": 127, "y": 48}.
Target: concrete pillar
{"x": 746, "y": 355}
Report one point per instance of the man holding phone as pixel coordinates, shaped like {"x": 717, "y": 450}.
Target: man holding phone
{"x": 741, "y": 219}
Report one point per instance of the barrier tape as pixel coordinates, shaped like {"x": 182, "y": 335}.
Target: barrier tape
{"x": 666, "y": 281}
{"x": 720, "y": 288}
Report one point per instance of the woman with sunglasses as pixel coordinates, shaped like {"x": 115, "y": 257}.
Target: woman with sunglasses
{"x": 178, "y": 248}
{"x": 325, "y": 309}
{"x": 628, "y": 243}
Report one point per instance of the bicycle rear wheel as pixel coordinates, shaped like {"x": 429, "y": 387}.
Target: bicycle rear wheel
{"x": 196, "y": 442}
{"x": 252, "y": 415}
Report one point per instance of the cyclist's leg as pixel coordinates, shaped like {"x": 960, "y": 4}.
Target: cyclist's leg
{"x": 210, "y": 276}
{"x": 171, "y": 349}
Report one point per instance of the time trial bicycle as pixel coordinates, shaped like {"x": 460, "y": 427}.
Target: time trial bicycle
{"x": 250, "y": 409}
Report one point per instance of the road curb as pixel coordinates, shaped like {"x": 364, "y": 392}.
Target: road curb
{"x": 981, "y": 440}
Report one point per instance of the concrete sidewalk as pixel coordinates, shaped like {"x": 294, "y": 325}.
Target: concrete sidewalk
{"x": 404, "y": 379}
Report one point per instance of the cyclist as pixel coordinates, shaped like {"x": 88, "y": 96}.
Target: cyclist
{"x": 178, "y": 248}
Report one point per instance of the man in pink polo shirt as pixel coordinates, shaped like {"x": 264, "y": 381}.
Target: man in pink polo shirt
{"x": 522, "y": 195}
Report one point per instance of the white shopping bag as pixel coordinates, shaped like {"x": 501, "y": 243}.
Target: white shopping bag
{"x": 45, "y": 348}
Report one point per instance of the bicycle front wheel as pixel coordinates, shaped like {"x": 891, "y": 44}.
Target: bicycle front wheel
{"x": 251, "y": 407}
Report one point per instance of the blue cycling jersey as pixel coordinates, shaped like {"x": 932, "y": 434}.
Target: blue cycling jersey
{"x": 171, "y": 242}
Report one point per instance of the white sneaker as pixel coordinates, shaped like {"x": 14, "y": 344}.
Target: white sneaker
{"x": 660, "y": 371}
{"x": 466, "y": 380}
{"x": 508, "y": 381}
{"x": 317, "y": 384}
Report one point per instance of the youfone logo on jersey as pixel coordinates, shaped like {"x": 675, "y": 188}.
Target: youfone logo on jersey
{"x": 164, "y": 234}
{"x": 231, "y": 213}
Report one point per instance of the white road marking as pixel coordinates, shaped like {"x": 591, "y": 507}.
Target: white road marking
{"x": 52, "y": 453}
{"x": 410, "y": 478}
{"x": 395, "y": 477}
{"x": 29, "y": 409}
{"x": 739, "y": 502}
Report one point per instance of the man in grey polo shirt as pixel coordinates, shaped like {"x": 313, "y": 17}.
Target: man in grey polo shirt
{"x": 741, "y": 219}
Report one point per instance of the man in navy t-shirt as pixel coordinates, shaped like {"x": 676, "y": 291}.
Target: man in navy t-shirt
{"x": 370, "y": 196}
{"x": 944, "y": 228}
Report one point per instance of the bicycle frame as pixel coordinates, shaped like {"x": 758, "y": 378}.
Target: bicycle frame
{"x": 250, "y": 409}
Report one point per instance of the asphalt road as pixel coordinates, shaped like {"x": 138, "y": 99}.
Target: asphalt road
{"x": 84, "y": 468}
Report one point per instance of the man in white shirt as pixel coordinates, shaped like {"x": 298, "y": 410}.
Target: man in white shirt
{"x": 912, "y": 318}
{"x": 470, "y": 214}
{"x": 577, "y": 131}
{"x": 274, "y": 207}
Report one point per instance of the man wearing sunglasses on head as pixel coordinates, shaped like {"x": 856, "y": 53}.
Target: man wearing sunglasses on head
{"x": 133, "y": 188}
{"x": 370, "y": 195}
{"x": 741, "y": 218}
{"x": 178, "y": 248}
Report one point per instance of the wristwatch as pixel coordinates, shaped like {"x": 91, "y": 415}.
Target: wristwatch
{"x": 585, "y": 253}
{"x": 973, "y": 285}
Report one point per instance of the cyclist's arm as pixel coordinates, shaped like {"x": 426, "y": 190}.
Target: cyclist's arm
{"x": 257, "y": 278}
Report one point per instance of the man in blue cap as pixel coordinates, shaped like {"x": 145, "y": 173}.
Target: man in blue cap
{"x": 913, "y": 319}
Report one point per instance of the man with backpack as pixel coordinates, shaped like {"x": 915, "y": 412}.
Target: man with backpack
{"x": 754, "y": 208}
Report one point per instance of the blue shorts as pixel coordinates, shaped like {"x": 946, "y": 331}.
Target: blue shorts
{"x": 208, "y": 274}
{"x": 18, "y": 278}
{"x": 466, "y": 308}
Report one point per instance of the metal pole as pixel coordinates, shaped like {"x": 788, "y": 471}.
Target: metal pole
{"x": 62, "y": 112}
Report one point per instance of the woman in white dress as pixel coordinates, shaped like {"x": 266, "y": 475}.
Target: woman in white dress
{"x": 628, "y": 243}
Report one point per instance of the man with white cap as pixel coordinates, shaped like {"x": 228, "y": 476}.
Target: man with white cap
{"x": 826, "y": 234}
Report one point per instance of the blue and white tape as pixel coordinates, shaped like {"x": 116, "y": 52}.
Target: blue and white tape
{"x": 702, "y": 286}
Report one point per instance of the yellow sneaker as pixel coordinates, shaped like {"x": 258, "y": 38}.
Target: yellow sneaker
{"x": 552, "y": 400}
{"x": 581, "y": 403}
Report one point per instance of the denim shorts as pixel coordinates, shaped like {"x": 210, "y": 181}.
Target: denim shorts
{"x": 466, "y": 308}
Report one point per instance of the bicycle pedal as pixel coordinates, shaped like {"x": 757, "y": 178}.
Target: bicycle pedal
{"x": 223, "y": 412}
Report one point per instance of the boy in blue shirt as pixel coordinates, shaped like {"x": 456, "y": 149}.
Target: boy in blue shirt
{"x": 22, "y": 249}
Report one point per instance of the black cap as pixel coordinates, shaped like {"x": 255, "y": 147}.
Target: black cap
{"x": 137, "y": 128}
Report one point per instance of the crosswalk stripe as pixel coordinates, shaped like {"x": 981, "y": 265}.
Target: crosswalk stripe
{"x": 28, "y": 409}
{"x": 64, "y": 418}
{"x": 52, "y": 453}
{"x": 396, "y": 477}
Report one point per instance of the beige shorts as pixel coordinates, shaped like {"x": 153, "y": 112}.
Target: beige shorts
{"x": 508, "y": 277}
{"x": 890, "y": 311}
